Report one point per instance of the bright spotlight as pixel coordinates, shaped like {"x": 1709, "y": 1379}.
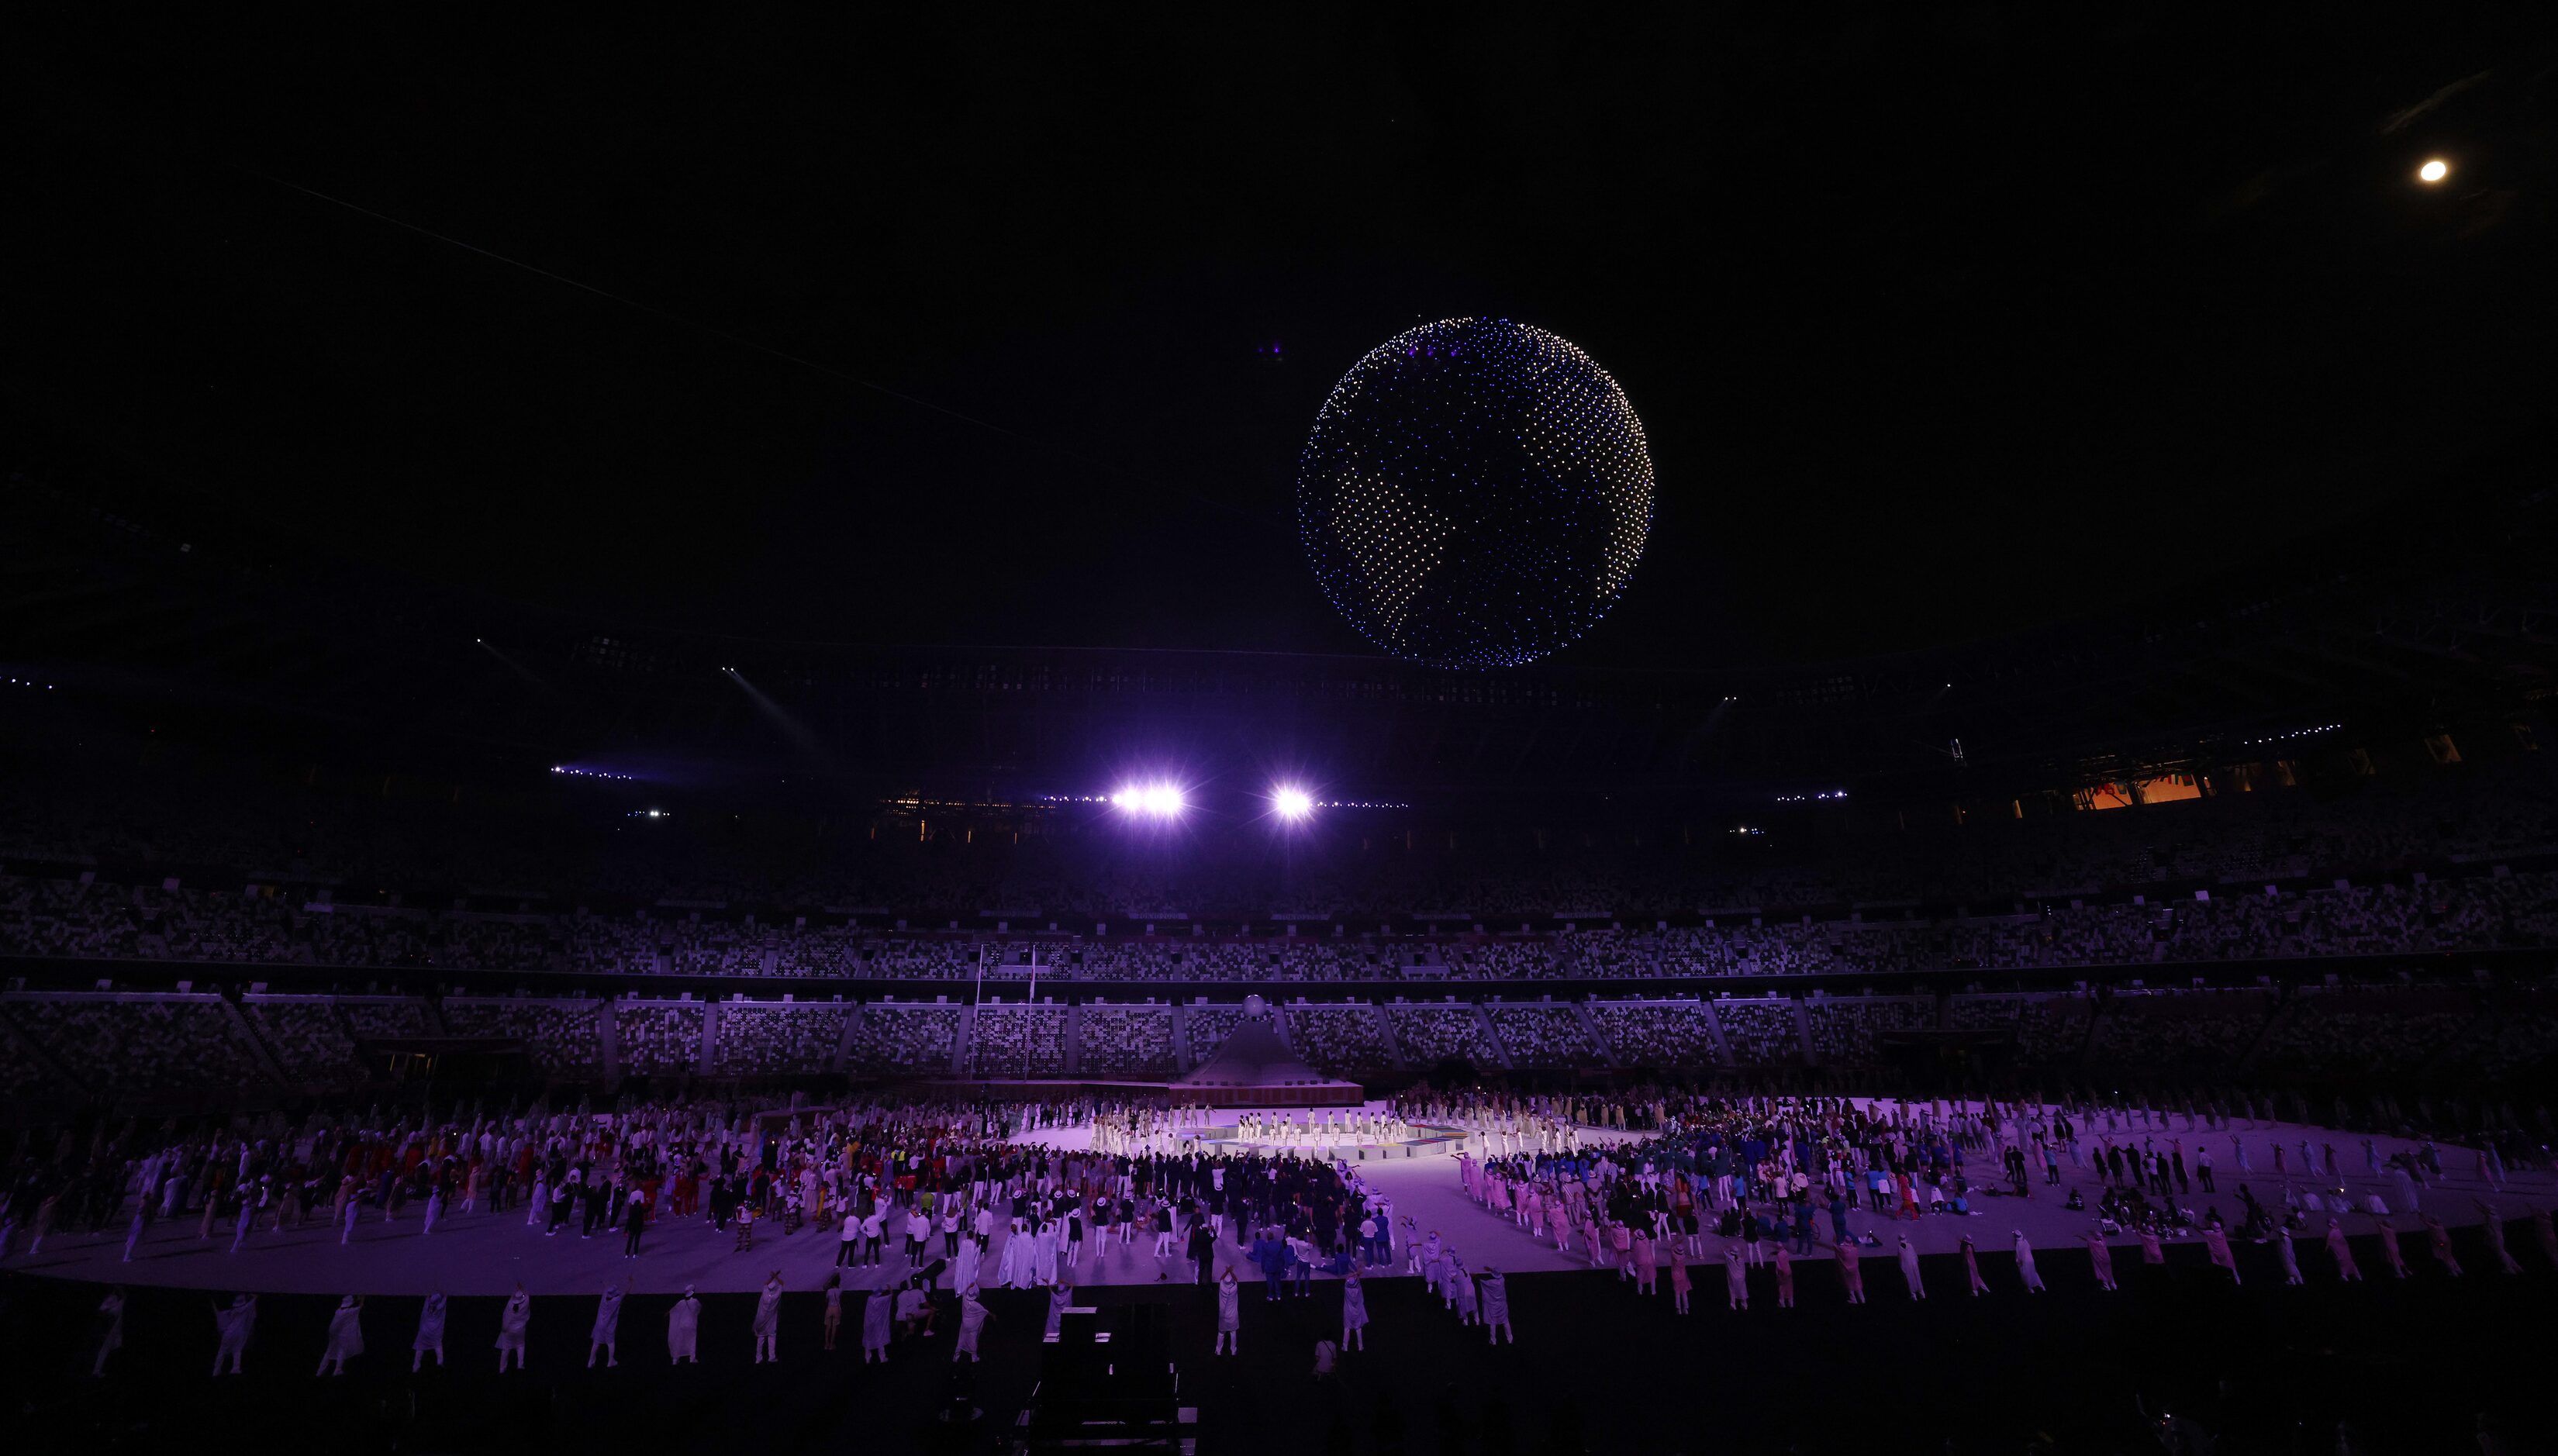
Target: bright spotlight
{"x": 2434, "y": 170}
{"x": 1160, "y": 801}
{"x": 1292, "y": 804}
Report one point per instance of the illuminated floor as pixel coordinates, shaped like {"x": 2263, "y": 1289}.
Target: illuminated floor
{"x": 491, "y": 1253}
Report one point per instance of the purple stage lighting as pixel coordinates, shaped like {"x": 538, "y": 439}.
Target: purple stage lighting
{"x": 1292, "y": 802}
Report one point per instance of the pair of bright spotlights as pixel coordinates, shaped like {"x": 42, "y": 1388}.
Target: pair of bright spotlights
{"x": 1166, "y": 800}
{"x": 1160, "y": 801}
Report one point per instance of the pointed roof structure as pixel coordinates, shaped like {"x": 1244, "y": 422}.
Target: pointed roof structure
{"x": 1254, "y": 1066}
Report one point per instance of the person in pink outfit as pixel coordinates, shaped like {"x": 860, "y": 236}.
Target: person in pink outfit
{"x": 2442, "y": 1241}
{"x": 2216, "y": 1242}
{"x": 2100, "y": 1258}
{"x": 2494, "y": 1228}
{"x": 2389, "y": 1252}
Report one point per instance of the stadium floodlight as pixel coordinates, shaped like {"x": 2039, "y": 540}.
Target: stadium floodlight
{"x": 1156, "y": 800}
{"x": 1292, "y": 802}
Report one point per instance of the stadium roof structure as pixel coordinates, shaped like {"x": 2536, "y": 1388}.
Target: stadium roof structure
{"x": 133, "y": 597}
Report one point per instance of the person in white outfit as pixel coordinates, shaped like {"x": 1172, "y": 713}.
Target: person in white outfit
{"x": 876, "y": 1325}
{"x": 512, "y": 1322}
{"x": 1496, "y": 1306}
{"x": 1229, "y": 1315}
{"x": 1012, "y": 1266}
{"x": 605, "y": 1336}
{"x": 430, "y": 1333}
{"x": 235, "y": 1325}
{"x": 768, "y": 1320}
{"x": 111, "y": 1313}
{"x": 2025, "y": 1268}
{"x": 1353, "y": 1314}
{"x": 1910, "y": 1271}
{"x": 346, "y": 1337}
{"x": 683, "y": 1330}
{"x": 973, "y": 1315}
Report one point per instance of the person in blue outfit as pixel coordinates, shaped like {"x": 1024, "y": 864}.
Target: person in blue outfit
{"x": 1271, "y": 1254}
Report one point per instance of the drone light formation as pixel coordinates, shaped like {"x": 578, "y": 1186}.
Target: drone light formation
{"x": 1475, "y": 493}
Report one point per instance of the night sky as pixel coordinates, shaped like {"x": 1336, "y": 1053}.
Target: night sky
{"x": 1940, "y": 324}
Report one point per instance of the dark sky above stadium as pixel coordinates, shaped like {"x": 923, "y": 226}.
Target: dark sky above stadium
{"x": 1943, "y": 321}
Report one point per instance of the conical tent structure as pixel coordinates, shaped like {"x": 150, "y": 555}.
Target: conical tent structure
{"x": 1255, "y": 1068}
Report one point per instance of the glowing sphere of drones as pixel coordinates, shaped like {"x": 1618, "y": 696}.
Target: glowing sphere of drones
{"x": 1475, "y": 493}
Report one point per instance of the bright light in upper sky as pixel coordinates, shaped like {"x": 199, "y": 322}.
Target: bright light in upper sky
{"x": 2434, "y": 170}
{"x": 1292, "y": 804}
